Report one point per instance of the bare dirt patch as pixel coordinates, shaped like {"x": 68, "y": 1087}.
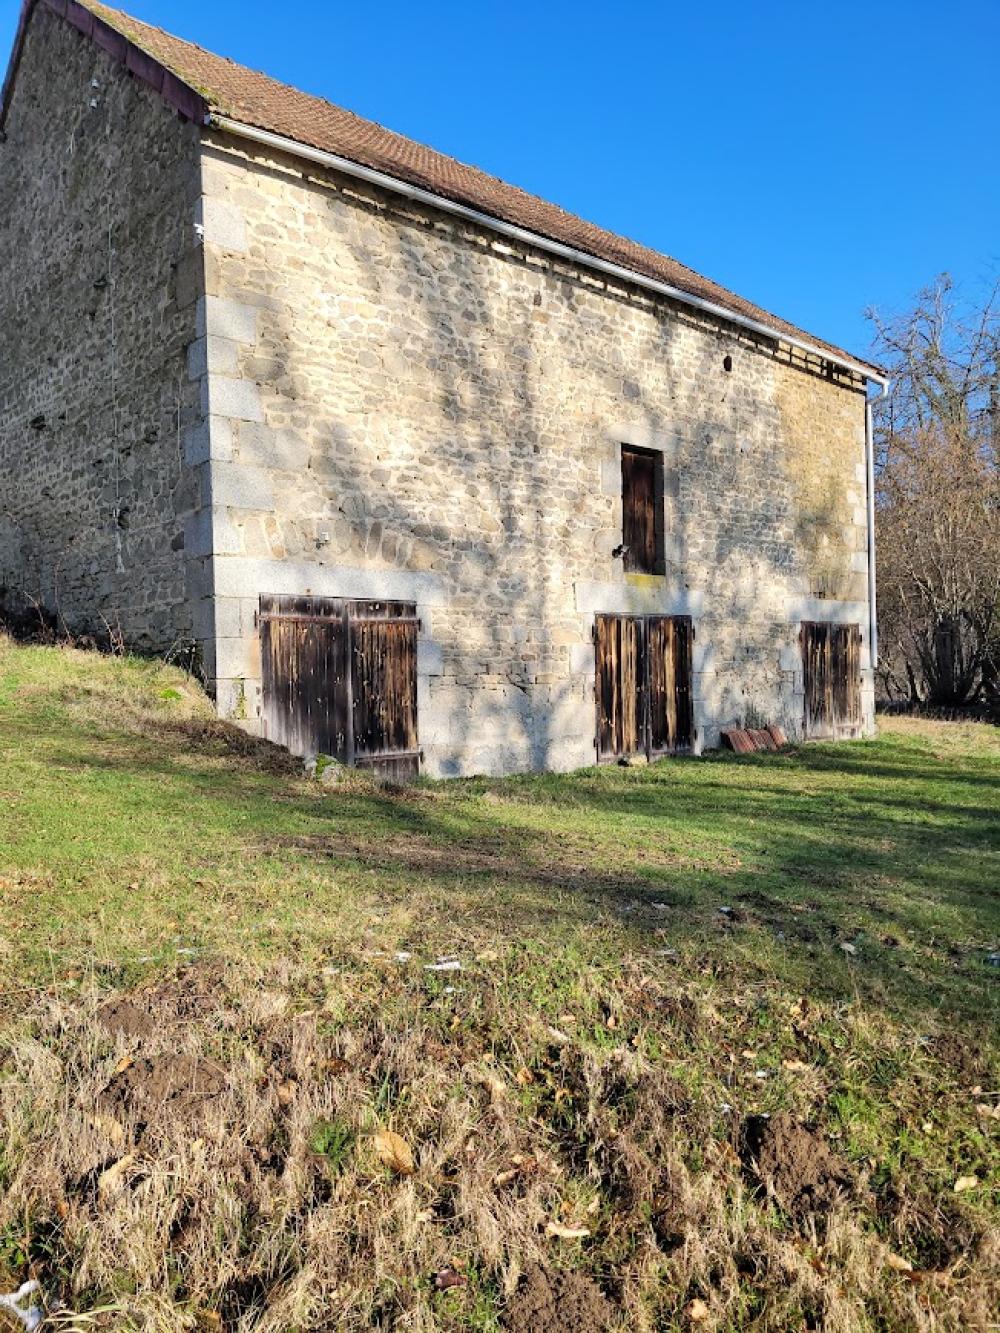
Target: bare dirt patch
{"x": 211, "y": 734}
{"x": 547, "y": 1302}
{"x": 963, "y": 1056}
{"x": 123, "y": 1018}
{"x": 182, "y": 1086}
{"x": 143, "y": 1015}
{"x": 794, "y": 1162}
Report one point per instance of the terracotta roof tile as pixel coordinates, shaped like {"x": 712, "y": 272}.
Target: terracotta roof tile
{"x": 255, "y": 99}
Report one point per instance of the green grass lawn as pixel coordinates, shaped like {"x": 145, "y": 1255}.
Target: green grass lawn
{"x": 650, "y": 958}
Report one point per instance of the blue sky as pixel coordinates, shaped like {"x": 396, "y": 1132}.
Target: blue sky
{"x": 815, "y": 158}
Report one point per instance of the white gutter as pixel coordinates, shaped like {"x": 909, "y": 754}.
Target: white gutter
{"x": 379, "y": 178}
{"x": 282, "y": 144}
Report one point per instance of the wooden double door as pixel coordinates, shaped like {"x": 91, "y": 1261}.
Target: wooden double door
{"x": 643, "y": 685}
{"x": 340, "y": 678}
{"x": 831, "y": 671}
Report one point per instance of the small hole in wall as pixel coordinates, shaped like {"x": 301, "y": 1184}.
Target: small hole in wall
{"x": 727, "y": 363}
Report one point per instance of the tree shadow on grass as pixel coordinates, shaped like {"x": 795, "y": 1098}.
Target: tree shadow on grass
{"x": 888, "y": 864}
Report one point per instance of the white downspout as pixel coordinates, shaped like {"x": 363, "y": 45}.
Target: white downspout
{"x": 870, "y": 482}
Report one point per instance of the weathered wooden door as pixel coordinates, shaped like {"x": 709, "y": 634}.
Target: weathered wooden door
{"x": 669, "y": 658}
{"x": 384, "y": 687}
{"x": 621, "y": 680}
{"x": 340, "y": 678}
{"x": 831, "y": 669}
{"x": 643, "y": 685}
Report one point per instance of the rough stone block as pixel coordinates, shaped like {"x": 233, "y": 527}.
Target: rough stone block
{"x": 212, "y": 354}
{"x": 240, "y": 486}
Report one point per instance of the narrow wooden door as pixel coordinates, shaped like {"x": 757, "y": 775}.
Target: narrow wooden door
{"x": 669, "y": 657}
{"x": 831, "y": 670}
{"x": 621, "y": 674}
{"x": 643, "y": 685}
{"x": 305, "y": 674}
{"x": 384, "y": 687}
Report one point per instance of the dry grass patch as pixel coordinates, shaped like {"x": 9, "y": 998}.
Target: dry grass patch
{"x": 375, "y": 1146}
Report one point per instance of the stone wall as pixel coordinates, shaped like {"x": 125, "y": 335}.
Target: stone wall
{"x": 99, "y": 280}
{"x": 404, "y": 405}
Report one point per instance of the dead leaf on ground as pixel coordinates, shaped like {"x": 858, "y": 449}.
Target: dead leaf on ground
{"x": 394, "y": 1152}
{"x": 448, "y": 1277}
{"x": 897, "y": 1262}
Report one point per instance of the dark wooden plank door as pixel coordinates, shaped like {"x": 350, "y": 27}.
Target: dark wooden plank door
{"x": 384, "y": 687}
{"x": 621, "y": 673}
{"x": 305, "y": 674}
{"x": 340, "y": 678}
{"x": 831, "y": 669}
{"x": 670, "y": 705}
{"x": 643, "y": 685}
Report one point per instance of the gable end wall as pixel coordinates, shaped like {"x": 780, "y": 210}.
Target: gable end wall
{"x": 100, "y": 277}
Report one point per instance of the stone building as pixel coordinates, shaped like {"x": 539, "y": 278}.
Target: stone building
{"x": 418, "y": 467}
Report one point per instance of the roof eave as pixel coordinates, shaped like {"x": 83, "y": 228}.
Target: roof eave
{"x": 179, "y": 96}
{"x": 295, "y": 147}
{"x": 192, "y": 105}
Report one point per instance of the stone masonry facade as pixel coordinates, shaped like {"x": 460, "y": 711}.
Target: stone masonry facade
{"x": 403, "y": 405}
{"x": 100, "y": 278}
{"x": 230, "y": 373}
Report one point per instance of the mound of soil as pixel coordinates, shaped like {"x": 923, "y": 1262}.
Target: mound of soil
{"x": 794, "y": 1162}
{"x": 963, "y": 1055}
{"x": 558, "y": 1303}
{"x": 122, "y": 1018}
{"x": 182, "y": 1086}
{"x": 225, "y": 737}
{"x": 196, "y": 993}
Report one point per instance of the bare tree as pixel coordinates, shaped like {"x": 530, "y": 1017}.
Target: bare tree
{"x": 938, "y": 497}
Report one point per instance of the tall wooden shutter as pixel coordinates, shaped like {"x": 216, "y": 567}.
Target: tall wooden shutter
{"x": 669, "y": 655}
{"x": 620, "y": 684}
{"x": 305, "y": 674}
{"x": 384, "y": 686}
{"x": 642, "y": 505}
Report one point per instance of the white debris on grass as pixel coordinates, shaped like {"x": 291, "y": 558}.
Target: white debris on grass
{"x": 444, "y": 965}
{"x": 30, "y": 1317}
